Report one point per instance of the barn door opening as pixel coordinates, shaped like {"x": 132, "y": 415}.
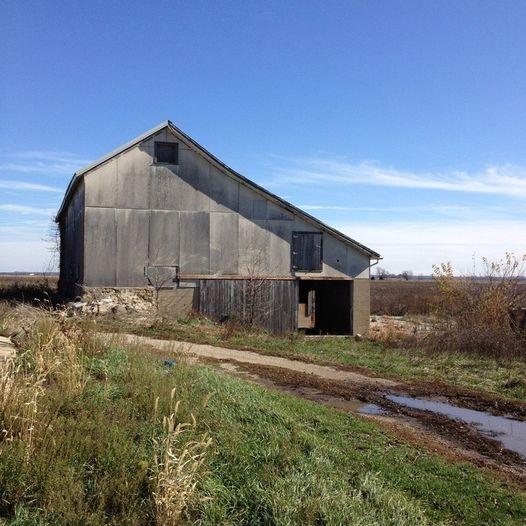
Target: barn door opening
{"x": 324, "y": 306}
{"x": 307, "y": 308}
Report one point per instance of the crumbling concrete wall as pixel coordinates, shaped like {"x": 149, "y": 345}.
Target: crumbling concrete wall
{"x": 361, "y": 306}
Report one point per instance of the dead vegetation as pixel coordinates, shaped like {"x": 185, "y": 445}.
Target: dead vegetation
{"x": 35, "y": 290}
{"x": 478, "y": 316}
{"x": 176, "y": 468}
{"x": 68, "y": 407}
{"x": 400, "y": 297}
{"x": 482, "y": 315}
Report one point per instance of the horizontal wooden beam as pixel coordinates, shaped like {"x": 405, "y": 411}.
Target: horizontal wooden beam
{"x": 184, "y": 277}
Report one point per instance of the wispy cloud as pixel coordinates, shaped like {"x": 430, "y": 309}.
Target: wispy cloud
{"x": 27, "y": 210}
{"x": 51, "y": 155}
{"x": 396, "y": 209}
{"x": 506, "y": 180}
{"x": 419, "y": 245}
{"x": 42, "y": 161}
{"x": 9, "y": 184}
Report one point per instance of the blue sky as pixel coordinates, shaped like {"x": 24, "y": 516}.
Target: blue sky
{"x": 402, "y": 123}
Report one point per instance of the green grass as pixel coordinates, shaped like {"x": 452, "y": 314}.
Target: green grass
{"x": 275, "y": 459}
{"x": 282, "y": 460}
{"x": 504, "y": 377}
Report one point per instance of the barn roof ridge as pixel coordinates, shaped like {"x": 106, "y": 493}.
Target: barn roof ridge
{"x": 78, "y": 175}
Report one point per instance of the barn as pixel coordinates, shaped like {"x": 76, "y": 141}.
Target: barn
{"x": 163, "y": 213}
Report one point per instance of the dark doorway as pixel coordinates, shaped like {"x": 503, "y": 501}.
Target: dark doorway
{"x": 324, "y": 306}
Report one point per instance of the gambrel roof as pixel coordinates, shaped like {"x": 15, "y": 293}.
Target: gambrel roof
{"x": 78, "y": 176}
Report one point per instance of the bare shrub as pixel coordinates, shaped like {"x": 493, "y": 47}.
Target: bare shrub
{"x": 231, "y": 328}
{"x": 158, "y": 277}
{"x": 177, "y": 465}
{"x": 475, "y": 315}
{"x": 257, "y": 303}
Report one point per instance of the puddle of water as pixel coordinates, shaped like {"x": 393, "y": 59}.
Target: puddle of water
{"x": 509, "y": 432}
{"x": 371, "y": 409}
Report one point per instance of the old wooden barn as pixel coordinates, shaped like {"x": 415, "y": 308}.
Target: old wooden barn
{"x": 163, "y": 212}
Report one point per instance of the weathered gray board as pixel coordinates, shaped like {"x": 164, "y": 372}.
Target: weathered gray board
{"x": 271, "y": 304}
{"x": 72, "y": 245}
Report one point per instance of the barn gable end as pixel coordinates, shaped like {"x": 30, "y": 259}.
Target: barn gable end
{"x": 197, "y": 217}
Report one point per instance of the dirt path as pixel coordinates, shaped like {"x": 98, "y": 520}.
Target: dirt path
{"x": 368, "y": 396}
{"x": 249, "y": 357}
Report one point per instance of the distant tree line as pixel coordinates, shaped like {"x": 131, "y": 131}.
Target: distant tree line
{"x": 382, "y": 273}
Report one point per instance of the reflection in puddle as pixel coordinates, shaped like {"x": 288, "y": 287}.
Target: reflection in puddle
{"x": 371, "y": 409}
{"x": 509, "y": 432}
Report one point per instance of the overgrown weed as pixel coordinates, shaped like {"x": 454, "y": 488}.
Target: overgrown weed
{"x": 477, "y": 316}
{"x": 79, "y": 441}
{"x": 176, "y": 467}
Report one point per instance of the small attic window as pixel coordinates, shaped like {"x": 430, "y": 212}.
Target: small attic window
{"x": 167, "y": 152}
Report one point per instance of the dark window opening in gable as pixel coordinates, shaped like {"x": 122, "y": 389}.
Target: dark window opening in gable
{"x": 307, "y": 251}
{"x": 167, "y": 152}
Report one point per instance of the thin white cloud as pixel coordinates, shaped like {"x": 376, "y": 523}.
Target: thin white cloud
{"x": 43, "y": 161}
{"x": 506, "y": 180}
{"x": 402, "y": 209}
{"x": 27, "y": 210}
{"x": 51, "y": 155}
{"x": 417, "y": 246}
{"x": 22, "y": 185}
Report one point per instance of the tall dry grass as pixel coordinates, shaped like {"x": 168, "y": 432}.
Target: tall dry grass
{"x": 78, "y": 444}
{"x": 176, "y": 466}
{"x": 46, "y": 357}
{"x": 476, "y": 316}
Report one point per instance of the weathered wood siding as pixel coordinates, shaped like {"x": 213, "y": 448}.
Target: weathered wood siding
{"x": 72, "y": 245}
{"x": 271, "y": 304}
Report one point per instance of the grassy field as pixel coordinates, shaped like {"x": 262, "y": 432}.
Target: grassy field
{"x": 503, "y": 377}
{"x": 37, "y": 289}
{"x": 400, "y": 297}
{"x": 88, "y": 456}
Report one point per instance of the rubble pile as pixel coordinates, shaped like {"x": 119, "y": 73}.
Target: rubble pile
{"x": 111, "y": 301}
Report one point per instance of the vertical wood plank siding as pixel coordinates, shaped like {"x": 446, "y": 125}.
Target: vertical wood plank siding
{"x": 273, "y": 307}
{"x": 307, "y": 251}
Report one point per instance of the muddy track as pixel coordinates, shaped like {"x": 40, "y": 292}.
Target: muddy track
{"x": 436, "y": 433}
{"x": 348, "y": 390}
{"x": 461, "y": 433}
